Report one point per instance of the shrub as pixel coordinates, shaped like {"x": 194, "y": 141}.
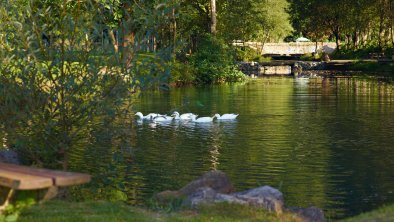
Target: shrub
{"x": 247, "y": 54}
{"x": 182, "y": 73}
{"x": 213, "y": 62}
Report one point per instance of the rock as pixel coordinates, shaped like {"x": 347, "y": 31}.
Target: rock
{"x": 310, "y": 214}
{"x": 326, "y": 57}
{"x": 305, "y": 65}
{"x": 216, "y": 180}
{"x": 215, "y": 187}
{"x": 207, "y": 195}
{"x": 265, "y": 196}
{"x": 9, "y": 156}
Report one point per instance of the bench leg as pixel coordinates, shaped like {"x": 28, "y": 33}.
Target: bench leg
{"x": 51, "y": 193}
{"x": 11, "y": 193}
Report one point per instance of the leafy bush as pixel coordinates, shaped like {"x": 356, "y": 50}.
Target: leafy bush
{"x": 247, "y": 54}
{"x": 64, "y": 96}
{"x": 182, "y": 73}
{"x": 362, "y": 53}
{"x": 213, "y": 62}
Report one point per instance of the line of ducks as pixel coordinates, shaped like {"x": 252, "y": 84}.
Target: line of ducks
{"x": 155, "y": 117}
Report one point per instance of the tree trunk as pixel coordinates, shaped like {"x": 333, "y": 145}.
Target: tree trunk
{"x": 113, "y": 39}
{"x": 337, "y": 37}
{"x": 391, "y": 8}
{"x": 213, "y": 17}
{"x": 173, "y": 20}
{"x": 381, "y": 28}
{"x": 355, "y": 39}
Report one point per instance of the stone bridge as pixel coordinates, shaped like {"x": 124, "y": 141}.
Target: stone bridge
{"x": 291, "y": 48}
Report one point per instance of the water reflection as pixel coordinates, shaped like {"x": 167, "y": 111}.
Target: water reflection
{"x": 323, "y": 142}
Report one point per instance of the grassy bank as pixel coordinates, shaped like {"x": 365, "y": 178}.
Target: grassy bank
{"x": 386, "y": 69}
{"x": 62, "y": 211}
{"x": 384, "y": 214}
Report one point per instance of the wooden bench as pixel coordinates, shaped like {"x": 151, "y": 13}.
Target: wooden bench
{"x": 17, "y": 177}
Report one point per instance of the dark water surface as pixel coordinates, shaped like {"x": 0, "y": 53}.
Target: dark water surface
{"x": 323, "y": 142}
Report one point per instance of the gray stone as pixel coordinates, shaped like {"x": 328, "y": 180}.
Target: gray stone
{"x": 305, "y": 65}
{"x": 265, "y": 196}
{"x": 216, "y": 180}
{"x": 310, "y": 214}
{"x": 215, "y": 187}
{"x": 206, "y": 195}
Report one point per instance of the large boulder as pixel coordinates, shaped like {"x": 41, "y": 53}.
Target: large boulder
{"x": 265, "y": 196}
{"x": 216, "y": 180}
{"x": 215, "y": 187}
{"x": 310, "y": 214}
{"x": 206, "y": 195}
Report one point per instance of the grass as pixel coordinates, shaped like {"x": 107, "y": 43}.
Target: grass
{"x": 61, "y": 211}
{"x": 102, "y": 211}
{"x": 384, "y": 214}
{"x": 373, "y": 67}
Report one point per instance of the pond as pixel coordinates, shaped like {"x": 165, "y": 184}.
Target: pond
{"x": 327, "y": 143}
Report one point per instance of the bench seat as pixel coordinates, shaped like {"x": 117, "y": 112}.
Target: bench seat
{"x": 17, "y": 177}
{"x": 26, "y": 178}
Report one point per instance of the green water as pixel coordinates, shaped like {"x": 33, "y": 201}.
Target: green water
{"x": 324, "y": 142}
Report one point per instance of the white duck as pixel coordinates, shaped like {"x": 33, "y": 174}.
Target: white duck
{"x": 150, "y": 116}
{"x": 202, "y": 119}
{"x": 185, "y": 116}
{"x": 226, "y": 116}
{"x": 163, "y": 118}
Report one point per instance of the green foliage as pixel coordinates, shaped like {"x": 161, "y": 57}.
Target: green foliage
{"x": 312, "y": 57}
{"x": 247, "y": 54}
{"x": 182, "y": 73}
{"x": 58, "y": 92}
{"x": 23, "y": 200}
{"x": 358, "y": 23}
{"x": 214, "y": 63}
{"x": 385, "y": 69}
{"x": 362, "y": 53}
{"x": 260, "y": 20}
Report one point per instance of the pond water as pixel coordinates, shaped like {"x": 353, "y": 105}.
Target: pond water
{"x": 327, "y": 143}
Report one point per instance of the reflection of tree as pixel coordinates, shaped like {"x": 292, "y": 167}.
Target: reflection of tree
{"x": 108, "y": 157}
{"x": 360, "y": 132}
{"x": 214, "y": 157}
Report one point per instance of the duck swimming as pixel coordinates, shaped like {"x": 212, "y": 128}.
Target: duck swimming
{"x": 185, "y": 116}
{"x": 226, "y": 116}
{"x": 162, "y": 118}
{"x": 202, "y": 119}
{"x": 150, "y": 116}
